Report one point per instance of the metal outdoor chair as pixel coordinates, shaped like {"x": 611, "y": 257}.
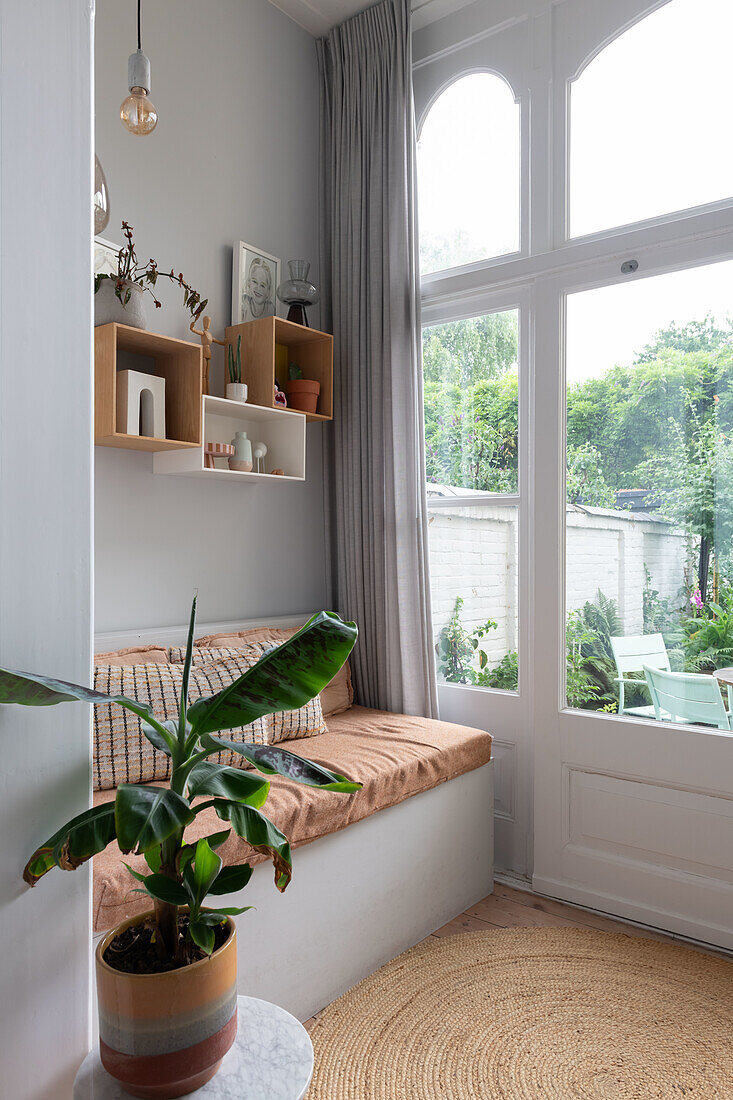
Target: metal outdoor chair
{"x": 688, "y": 697}
{"x": 631, "y": 653}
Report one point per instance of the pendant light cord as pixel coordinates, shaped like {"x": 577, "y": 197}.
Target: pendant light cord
{"x": 139, "y": 36}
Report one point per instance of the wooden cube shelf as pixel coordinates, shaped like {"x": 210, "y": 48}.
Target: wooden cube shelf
{"x": 178, "y": 361}
{"x": 283, "y": 430}
{"x": 263, "y": 362}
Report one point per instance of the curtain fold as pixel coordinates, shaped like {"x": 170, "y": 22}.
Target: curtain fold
{"x": 369, "y": 269}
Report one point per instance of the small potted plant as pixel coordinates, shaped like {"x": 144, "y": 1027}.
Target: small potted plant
{"x": 302, "y": 392}
{"x": 121, "y": 298}
{"x": 236, "y": 389}
{"x": 167, "y": 981}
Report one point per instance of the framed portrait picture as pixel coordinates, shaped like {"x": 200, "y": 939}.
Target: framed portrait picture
{"x": 255, "y": 278}
{"x": 105, "y": 257}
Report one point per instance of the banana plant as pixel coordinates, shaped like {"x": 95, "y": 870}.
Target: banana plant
{"x": 151, "y": 820}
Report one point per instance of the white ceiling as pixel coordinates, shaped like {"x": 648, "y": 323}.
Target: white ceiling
{"x": 319, "y": 16}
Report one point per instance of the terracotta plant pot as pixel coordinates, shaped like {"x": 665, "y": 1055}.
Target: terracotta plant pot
{"x": 164, "y": 1035}
{"x": 303, "y": 394}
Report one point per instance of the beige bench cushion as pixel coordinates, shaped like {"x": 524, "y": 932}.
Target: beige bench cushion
{"x": 393, "y": 755}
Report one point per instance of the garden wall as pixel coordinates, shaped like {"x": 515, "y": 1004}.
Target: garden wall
{"x": 474, "y": 550}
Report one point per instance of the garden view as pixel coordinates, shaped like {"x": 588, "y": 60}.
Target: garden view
{"x": 660, "y": 424}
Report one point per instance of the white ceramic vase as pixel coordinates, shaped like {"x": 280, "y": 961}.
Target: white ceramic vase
{"x": 236, "y": 391}
{"x": 242, "y": 458}
{"x": 108, "y": 307}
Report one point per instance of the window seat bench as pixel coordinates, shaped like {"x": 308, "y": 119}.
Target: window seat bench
{"x": 377, "y": 870}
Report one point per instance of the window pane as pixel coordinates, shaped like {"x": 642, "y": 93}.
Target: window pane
{"x": 471, "y": 403}
{"x": 473, "y": 571}
{"x": 468, "y": 174}
{"x": 650, "y": 492}
{"x": 650, "y": 117}
{"x": 471, "y": 416}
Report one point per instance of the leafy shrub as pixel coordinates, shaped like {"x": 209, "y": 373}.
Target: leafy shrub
{"x": 708, "y": 635}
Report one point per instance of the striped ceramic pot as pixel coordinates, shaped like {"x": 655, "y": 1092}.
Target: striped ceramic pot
{"x": 164, "y": 1035}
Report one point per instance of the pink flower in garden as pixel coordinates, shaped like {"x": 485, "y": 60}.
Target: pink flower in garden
{"x": 696, "y": 599}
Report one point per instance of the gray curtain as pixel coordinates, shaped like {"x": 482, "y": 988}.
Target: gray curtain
{"x": 369, "y": 270}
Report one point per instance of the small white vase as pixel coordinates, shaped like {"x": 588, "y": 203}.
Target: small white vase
{"x": 242, "y": 458}
{"x": 236, "y": 391}
{"x": 108, "y": 307}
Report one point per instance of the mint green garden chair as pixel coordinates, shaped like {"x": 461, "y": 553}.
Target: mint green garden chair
{"x": 631, "y": 653}
{"x": 688, "y": 697}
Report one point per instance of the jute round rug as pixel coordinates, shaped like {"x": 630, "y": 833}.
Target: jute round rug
{"x": 532, "y": 1014}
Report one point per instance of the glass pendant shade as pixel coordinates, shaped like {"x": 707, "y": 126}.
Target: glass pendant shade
{"x": 138, "y": 113}
{"x": 297, "y": 292}
{"x": 101, "y": 198}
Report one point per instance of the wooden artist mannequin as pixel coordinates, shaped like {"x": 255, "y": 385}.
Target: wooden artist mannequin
{"x": 207, "y": 339}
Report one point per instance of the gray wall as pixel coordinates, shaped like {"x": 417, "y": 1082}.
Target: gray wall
{"x": 234, "y": 156}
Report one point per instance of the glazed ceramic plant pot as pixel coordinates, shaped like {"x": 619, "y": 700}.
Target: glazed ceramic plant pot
{"x": 164, "y": 1035}
{"x": 236, "y": 391}
{"x": 108, "y": 307}
{"x": 303, "y": 394}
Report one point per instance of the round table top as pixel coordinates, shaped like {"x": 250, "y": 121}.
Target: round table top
{"x": 724, "y": 674}
{"x": 272, "y": 1057}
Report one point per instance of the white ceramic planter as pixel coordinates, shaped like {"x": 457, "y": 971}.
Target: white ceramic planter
{"x": 236, "y": 391}
{"x": 108, "y": 307}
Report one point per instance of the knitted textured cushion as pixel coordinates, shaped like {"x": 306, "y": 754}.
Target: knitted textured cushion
{"x": 122, "y": 752}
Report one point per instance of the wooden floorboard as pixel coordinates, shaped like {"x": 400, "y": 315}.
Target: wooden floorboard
{"x": 509, "y": 907}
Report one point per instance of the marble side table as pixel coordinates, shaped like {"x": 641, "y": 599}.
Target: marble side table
{"x": 272, "y": 1059}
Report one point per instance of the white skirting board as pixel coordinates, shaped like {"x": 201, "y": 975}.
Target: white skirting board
{"x": 363, "y": 895}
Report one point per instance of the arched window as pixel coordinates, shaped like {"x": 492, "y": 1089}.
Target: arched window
{"x": 468, "y": 174}
{"x": 650, "y": 119}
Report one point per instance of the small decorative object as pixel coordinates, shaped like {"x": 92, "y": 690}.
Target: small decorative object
{"x": 242, "y": 458}
{"x": 280, "y": 398}
{"x": 279, "y": 472}
{"x": 259, "y": 450}
{"x": 137, "y": 112}
{"x": 236, "y": 389}
{"x": 101, "y": 198}
{"x": 115, "y": 292}
{"x": 254, "y": 279}
{"x": 297, "y": 292}
{"x": 207, "y": 339}
{"x": 168, "y": 1013}
{"x": 302, "y": 392}
{"x": 140, "y": 404}
{"x": 216, "y": 450}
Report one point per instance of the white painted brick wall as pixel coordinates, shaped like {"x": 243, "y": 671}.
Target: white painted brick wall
{"x": 473, "y": 554}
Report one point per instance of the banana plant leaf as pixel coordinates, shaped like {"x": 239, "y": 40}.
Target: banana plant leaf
{"x": 286, "y": 678}
{"x": 272, "y": 760}
{"x": 232, "y": 879}
{"x": 260, "y": 834}
{"x": 29, "y": 690}
{"x": 219, "y": 779}
{"x": 145, "y": 816}
{"x": 80, "y": 839}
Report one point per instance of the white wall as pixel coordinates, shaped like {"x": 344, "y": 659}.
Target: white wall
{"x": 234, "y": 156}
{"x": 45, "y": 529}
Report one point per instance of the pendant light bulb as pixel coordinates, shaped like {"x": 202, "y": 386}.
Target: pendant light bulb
{"x": 137, "y": 112}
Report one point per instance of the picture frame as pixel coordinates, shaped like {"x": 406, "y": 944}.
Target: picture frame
{"x": 105, "y": 256}
{"x": 255, "y": 279}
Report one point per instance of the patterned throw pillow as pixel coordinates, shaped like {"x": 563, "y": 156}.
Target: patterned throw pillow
{"x": 177, "y": 654}
{"x": 285, "y": 725}
{"x": 122, "y": 753}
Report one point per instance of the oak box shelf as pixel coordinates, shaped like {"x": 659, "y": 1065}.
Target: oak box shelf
{"x": 269, "y": 344}
{"x": 178, "y": 361}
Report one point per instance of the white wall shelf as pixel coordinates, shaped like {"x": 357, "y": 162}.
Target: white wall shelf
{"x": 282, "y": 430}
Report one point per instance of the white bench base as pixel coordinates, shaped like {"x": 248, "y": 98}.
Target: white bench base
{"x": 363, "y": 895}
